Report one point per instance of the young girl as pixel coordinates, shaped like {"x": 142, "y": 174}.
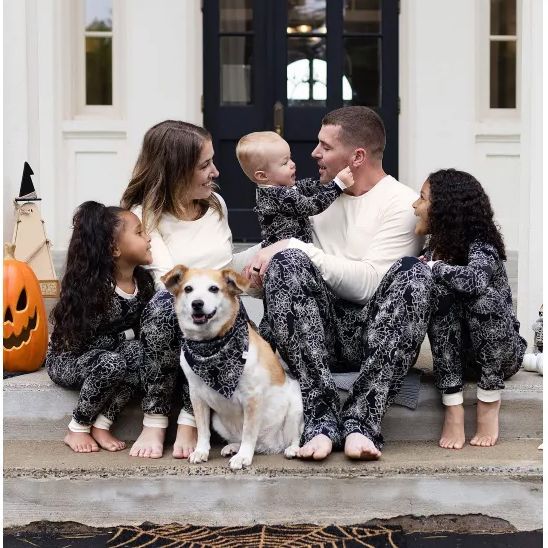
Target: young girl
{"x": 473, "y": 328}
{"x": 95, "y": 343}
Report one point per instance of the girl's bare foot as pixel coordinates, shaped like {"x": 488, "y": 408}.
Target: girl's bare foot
{"x": 359, "y": 447}
{"x": 185, "y": 442}
{"x": 452, "y": 435}
{"x": 81, "y": 442}
{"x": 487, "y": 431}
{"x": 106, "y": 440}
{"x": 318, "y": 448}
{"x": 149, "y": 444}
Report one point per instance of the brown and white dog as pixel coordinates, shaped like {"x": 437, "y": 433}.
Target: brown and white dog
{"x": 265, "y": 411}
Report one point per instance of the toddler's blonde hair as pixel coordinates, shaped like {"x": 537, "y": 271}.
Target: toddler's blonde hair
{"x": 252, "y": 151}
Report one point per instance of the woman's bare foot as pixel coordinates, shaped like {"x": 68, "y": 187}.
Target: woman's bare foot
{"x": 359, "y": 447}
{"x": 81, "y": 442}
{"x": 452, "y": 435}
{"x": 149, "y": 444}
{"x": 487, "y": 430}
{"x": 318, "y": 448}
{"x": 106, "y": 440}
{"x": 185, "y": 442}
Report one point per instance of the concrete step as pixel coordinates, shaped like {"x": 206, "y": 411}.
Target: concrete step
{"x": 45, "y": 480}
{"x": 37, "y": 409}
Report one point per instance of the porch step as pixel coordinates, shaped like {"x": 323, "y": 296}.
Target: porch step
{"x": 45, "y": 480}
{"x": 37, "y": 409}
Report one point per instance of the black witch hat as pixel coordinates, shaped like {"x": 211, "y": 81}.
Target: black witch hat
{"x": 27, "y": 192}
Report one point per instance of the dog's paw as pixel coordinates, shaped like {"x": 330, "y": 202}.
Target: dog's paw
{"x": 239, "y": 461}
{"x": 291, "y": 451}
{"x": 230, "y": 449}
{"x": 198, "y": 456}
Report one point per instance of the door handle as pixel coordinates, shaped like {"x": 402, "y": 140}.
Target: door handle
{"x": 279, "y": 118}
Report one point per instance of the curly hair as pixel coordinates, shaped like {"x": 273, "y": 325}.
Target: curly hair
{"x": 88, "y": 284}
{"x": 460, "y": 213}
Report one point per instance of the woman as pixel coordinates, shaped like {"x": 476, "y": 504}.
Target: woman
{"x": 171, "y": 190}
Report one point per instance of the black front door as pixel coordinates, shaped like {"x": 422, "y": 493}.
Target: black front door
{"x": 281, "y": 65}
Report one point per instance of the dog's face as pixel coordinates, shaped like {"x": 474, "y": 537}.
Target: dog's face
{"x": 206, "y": 301}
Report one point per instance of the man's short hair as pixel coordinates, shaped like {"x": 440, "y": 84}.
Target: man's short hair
{"x": 360, "y": 127}
{"x": 253, "y": 150}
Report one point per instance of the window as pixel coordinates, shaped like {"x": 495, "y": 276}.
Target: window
{"x": 503, "y": 54}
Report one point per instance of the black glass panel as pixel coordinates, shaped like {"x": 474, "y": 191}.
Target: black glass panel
{"x": 503, "y": 17}
{"x": 306, "y": 71}
{"x": 362, "y": 16}
{"x": 362, "y": 69}
{"x": 98, "y": 71}
{"x": 503, "y": 75}
{"x": 236, "y": 15}
{"x": 236, "y": 69}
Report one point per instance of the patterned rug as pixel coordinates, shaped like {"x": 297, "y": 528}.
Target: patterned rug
{"x": 68, "y": 535}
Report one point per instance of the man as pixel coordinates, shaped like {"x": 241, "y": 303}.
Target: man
{"x": 340, "y": 303}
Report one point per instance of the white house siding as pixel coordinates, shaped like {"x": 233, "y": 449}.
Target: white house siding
{"x": 443, "y": 48}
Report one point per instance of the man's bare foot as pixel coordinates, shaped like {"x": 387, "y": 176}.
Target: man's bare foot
{"x": 81, "y": 442}
{"x": 106, "y": 440}
{"x": 487, "y": 430}
{"x": 452, "y": 435}
{"x": 318, "y": 448}
{"x": 185, "y": 442}
{"x": 359, "y": 447}
{"x": 149, "y": 444}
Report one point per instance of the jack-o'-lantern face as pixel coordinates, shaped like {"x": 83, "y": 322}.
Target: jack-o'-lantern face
{"x": 25, "y": 325}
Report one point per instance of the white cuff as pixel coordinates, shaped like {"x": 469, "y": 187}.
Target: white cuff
{"x": 102, "y": 422}
{"x": 431, "y": 264}
{"x": 295, "y": 243}
{"x": 452, "y": 399}
{"x": 129, "y": 334}
{"x": 186, "y": 418}
{"x": 341, "y": 184}
{"x": 488, "y": 396}
{"x": 77, "y": 427}
{"x": 156, "y": 421}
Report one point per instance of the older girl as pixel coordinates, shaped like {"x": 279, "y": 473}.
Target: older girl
{"x": 473, "y": 327}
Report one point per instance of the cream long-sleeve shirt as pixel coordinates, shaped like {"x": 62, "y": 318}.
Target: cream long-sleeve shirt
{"x": 358, "y": 238}
{"x": 203, "y": 243}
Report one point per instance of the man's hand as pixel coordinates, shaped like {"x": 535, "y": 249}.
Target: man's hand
{"x": 254, "y": 271}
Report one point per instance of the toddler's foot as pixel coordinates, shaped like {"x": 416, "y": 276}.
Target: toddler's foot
{"x": 149, "y": 444}
{"x": 106, "y": 440}
{"x": 318, "y": 448}
{"x": 452, "y": 435}
{"x": 359, "y": 447}
{"x": 185, "y": 442}
{"x": 81, "y": 442}
{"x": 487, "y": 431}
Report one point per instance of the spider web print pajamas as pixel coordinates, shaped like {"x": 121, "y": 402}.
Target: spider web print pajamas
{"x": 473, "y": 329}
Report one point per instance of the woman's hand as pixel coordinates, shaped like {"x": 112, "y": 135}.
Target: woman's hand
{"x": 255, "y": 270}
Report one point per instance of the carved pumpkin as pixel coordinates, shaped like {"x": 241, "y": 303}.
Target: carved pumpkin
{"x": 25, "y": 322}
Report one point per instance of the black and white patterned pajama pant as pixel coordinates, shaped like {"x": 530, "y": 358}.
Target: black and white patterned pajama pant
{"x": 473, "y": 337}
{"x": 107, "y": 379}
{"x": 317, "y": 333}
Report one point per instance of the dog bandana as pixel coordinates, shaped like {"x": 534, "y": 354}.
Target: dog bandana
{"x": 220, "y": 362}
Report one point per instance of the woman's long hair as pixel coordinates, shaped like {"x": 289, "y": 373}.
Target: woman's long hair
{"x": 460, "y": 212}
{"x": 164, "y": 170}
{"x": 89, "y": 281}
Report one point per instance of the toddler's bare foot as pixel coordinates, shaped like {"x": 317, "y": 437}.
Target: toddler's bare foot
{"x": 149, "y": 444}
{"x": 318, "y": 448}
{"x": 487, "y": 431}
{"x": 185, "y": 442}
{"x": 452, "y": 435}
{"x": 359, "y": 447}
{"x": 81, "y": 442}
{"x": 106, "y": 440}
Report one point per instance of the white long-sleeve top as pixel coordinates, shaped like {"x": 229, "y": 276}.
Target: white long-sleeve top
{"x": 358, "y": 238}
{"x": 203, "y": 243}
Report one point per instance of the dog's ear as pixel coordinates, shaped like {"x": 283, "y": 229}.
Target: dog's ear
{"x": 173, "y": 278}
{"x": 235, "y": 283}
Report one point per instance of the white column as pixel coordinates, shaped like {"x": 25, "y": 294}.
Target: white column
{"x": 530, "y": 215}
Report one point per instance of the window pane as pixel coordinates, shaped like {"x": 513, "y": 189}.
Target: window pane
{"x": 99, "y": 15}
{"x": 362, "y": 69}
{"x": 236, "y": 15}
{"x": 503, "y": 75}
{"x": 236, "y": 69}
{"x": 362, "y": 16}
{"x": 306, "y": 71}
{"x": 306, "y": 16}
{"x": 98, "y": 71}
{"x": 503, "y": 17}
